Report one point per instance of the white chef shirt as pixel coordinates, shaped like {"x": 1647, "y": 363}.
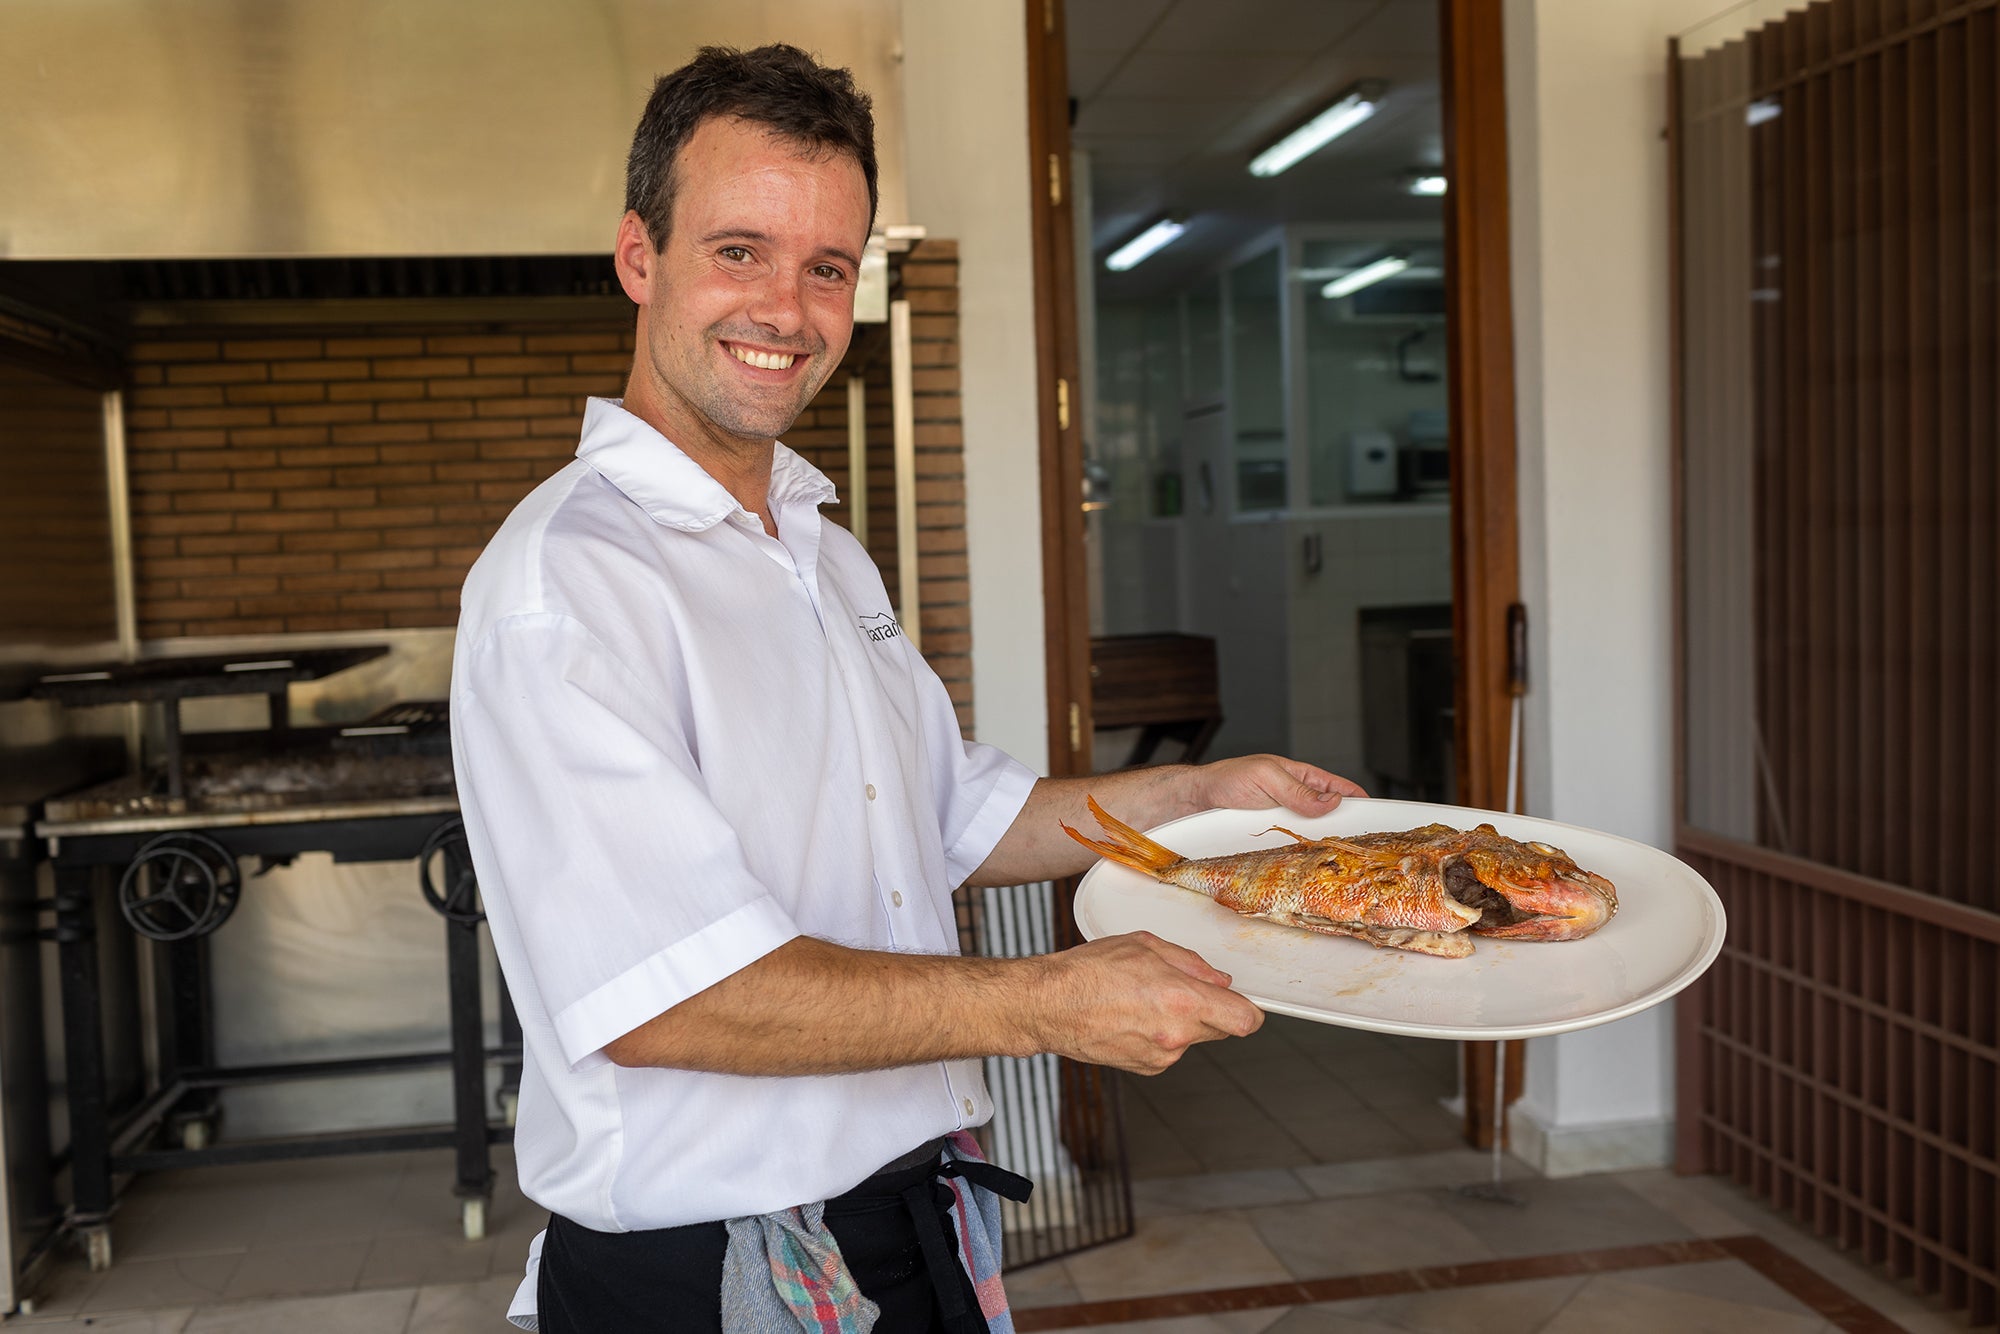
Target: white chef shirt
{"x": 681, "y": 742}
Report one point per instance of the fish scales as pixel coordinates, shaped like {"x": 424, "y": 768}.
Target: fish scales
{"x": 1421, "y": 889}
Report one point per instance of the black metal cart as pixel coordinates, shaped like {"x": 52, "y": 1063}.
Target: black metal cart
{"x": 376, "y": 791}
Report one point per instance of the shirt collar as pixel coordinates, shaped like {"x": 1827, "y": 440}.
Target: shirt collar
{"x": 671, "y": 487}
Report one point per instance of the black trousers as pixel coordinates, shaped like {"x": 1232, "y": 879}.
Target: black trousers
{"x": 670, "y": 1279}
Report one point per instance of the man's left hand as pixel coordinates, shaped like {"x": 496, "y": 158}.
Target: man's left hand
{"x": 1255, "y": 782}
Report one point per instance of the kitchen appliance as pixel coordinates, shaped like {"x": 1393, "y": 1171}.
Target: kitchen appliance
{"x": 165, "y": 850}
{"x": 1372, "y": 470}
{"x": 1425, "y": 461}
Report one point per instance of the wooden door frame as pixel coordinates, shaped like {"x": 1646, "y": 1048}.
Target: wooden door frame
{"x": 1480, "y": 378}
{"x": 1485, "y": 502}
{"x": 1065, "y": 588}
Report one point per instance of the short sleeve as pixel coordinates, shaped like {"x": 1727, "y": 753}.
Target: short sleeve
{"x": 593, "y": 836}
{"x": 980, "y": 789}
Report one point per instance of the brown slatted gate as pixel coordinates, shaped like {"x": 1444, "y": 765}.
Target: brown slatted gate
{"x": 1839, "y": 531}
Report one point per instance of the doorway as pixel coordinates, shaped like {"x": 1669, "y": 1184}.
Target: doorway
{"x": 1292, "y": 438}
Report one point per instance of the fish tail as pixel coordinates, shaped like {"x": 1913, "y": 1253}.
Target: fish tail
{"x": 1126, "y": 845}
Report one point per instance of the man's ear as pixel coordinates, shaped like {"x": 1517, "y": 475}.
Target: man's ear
{"x": 634, "y": 258}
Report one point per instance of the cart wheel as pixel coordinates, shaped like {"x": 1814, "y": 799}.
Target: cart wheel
{"x": 180, "y": 885}
{"x": 472, "y": 1213}
{"x": 454, "y": 892}
{"x": 510, "y": 1107}
{"x": 97, "y": 1247}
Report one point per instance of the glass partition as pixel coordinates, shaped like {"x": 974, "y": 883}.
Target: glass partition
{"x": 1374, "y": 366}
{"x": 1257, "y": 381}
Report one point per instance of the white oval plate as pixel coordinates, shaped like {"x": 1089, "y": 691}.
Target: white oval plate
{"x": 1668, "y": 930}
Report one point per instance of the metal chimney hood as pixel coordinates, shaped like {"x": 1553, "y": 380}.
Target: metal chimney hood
{"x": 213, "y": 128}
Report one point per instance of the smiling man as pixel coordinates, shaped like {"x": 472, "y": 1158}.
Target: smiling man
{"x": 718, "y": 814}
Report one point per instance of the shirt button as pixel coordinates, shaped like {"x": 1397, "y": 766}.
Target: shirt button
{"x": 896, "y": 897}
{"x": 968, "y": 1107}
{"x": 871, "y": 791}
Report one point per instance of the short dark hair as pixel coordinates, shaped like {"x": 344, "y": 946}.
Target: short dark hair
{"x": 777, "y": 86}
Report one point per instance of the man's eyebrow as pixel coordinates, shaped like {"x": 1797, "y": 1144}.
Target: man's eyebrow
{"x": 742, "y": 234}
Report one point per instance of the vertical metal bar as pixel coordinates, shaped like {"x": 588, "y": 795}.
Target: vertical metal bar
{"x": 903, "y": 425}
{"x": 91, "y": 1196}
{"x": 857, "y": 458}
{"x": 468, "y": 1059}
{"x": 1982, "y": 481}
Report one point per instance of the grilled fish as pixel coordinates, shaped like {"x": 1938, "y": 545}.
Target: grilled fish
{"x": 1426, "y": 890}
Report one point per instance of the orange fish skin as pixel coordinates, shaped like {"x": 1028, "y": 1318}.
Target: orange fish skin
{"x": 1542, "y": 893}
{"x": 1324, "y": 885}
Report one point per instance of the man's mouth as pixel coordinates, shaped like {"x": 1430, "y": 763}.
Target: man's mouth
{"x": 763, "y": 361}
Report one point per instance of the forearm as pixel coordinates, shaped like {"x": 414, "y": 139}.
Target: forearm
{"x": 1036, "y": 848}
{"x": 810, "y": 1007}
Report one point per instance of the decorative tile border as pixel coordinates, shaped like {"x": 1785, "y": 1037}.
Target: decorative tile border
{"x": 1830, "y": 1301}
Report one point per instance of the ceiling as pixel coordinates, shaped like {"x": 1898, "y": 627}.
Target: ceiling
{"x": 1174, "y": 97}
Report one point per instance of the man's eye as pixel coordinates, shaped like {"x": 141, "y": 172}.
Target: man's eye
{"x": 735, "y": 252}
{"x": 830, "y": 273}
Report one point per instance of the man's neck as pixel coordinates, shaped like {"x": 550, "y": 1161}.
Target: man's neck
{"x": 741, "y": 467}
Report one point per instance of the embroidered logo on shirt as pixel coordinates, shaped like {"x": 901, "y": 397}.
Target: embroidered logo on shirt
{"x": 880, "y": 625}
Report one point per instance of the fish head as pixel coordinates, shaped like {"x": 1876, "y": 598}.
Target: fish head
{"x": 1532, "y": 891}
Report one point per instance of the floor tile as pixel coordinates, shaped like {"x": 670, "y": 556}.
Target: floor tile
{"x": 1616, "y": 1302}
{"x": 1409, "y": 1229}
{"x": 1450, "y": 1167}
{"x": 1495, "y": 1308}
{"x": 1177, "y": 1253}
{"x": 1724, "y": 1280}
{"x": 1567, "y": 1214}
{"x": 130, "y": 1322}
{"x": 144, "y": 1285}
{"x": 1046, "y": 1284}
{"x": 385, "y": 1312}
{"x": 297, "y": 1271}
{"x": 1329, "y": 1320}
{"x": 1350, "y": 1136}
{"x": 463, "y": 1308}
{"x": 412, "y": 1260}
{"x": 1216, "y": 1190}
{"x": 63, "y": 1286}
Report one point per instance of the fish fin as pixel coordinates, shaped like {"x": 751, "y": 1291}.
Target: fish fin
{"x": 1126, "y": 845}
{"x": 1369, "y": 854}
{"x": 1353, "y": 849}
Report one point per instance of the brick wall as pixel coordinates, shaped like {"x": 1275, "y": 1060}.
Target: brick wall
{"x": 304, "y": 481}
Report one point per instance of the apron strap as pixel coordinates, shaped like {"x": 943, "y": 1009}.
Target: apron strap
{"x": 929, "y": 1202}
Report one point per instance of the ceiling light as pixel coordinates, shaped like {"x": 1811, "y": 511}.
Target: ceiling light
{"x": 1143, "y": 246}
{"x": 1757, "y": 113}
{"x": 1366, "y": 275}
{"x": 1353, "y": 107}
{"x": 1428, "y": 185}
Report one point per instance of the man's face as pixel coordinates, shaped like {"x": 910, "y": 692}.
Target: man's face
{"x": 750, "y": 304}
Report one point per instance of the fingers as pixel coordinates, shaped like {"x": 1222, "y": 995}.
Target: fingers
{"x": 1139, "y": 1002}
{"x": 1184, "y": 959}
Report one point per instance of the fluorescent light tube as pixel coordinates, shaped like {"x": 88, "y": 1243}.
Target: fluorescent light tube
{"x": 1143, "y": 246}
{"x": 1318, "y": 132}
{"x": 1757, "y": 113}
{"x": 1365, "y": 276}
{"x": 1429, "y": 185}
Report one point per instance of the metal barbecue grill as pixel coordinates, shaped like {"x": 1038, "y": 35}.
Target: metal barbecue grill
{"x": 171, "y": 845}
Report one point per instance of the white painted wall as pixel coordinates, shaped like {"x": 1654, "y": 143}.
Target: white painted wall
{"x": 1588, "y": 176}
{"x": 965, "y": 82}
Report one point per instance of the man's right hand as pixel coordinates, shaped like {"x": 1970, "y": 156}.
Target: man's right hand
{"x": 1137, "y": 1002}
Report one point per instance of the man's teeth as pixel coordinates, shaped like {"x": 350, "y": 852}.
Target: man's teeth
{"x": 769, "y": 361}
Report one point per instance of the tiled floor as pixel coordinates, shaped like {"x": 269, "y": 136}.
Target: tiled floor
{"x": 1299, "y": 1182}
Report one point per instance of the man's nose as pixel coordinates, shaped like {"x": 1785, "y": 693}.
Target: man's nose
{"x": 775, "y": 304}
